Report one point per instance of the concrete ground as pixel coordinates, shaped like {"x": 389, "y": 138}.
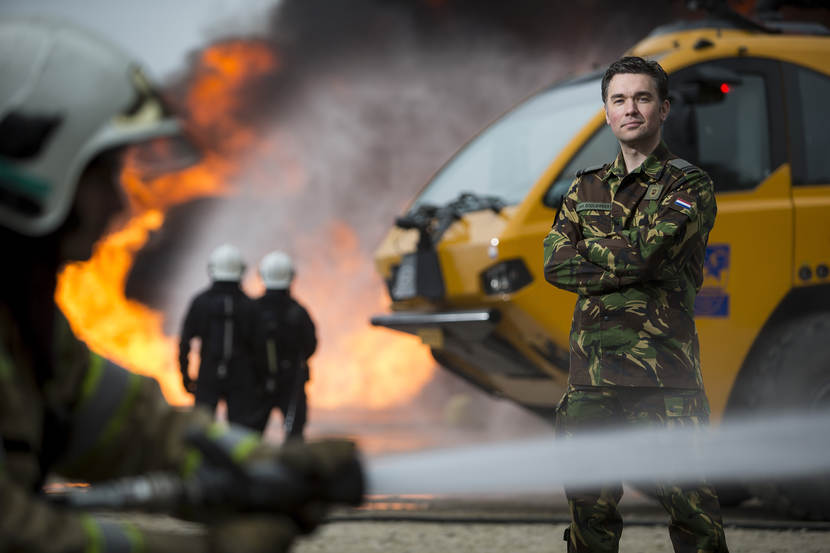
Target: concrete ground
{"x": 394, "y": 525}
{"x": 399, "y": 537}
{"x": 518, "y": 525}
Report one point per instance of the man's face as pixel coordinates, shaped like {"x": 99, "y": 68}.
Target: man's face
{"x": 633, "y": 109}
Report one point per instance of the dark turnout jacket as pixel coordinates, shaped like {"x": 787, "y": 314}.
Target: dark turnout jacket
{"x": 223, "y": 318}
{"x": 285, "y": 339}
{"x": 84, "y": 419}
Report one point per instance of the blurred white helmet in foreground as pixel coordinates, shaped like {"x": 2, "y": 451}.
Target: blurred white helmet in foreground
{"x": 225, "y": 263}
{"x": 277, "y": 270}
{"x": 66, "y": 96}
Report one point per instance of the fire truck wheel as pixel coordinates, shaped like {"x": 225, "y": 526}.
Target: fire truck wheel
{"x": 791, "y": 372}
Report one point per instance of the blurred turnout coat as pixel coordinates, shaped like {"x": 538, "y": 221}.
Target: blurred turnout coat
{"x": 632, "y": 247}
{"x": 285, "y": 340}
{"x": 66, "y": 410}
{"x": 222, "y": 317}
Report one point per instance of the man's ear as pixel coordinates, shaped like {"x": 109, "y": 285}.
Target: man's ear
{"x": 605, "y": 111}
{"x": 664, "y": 110}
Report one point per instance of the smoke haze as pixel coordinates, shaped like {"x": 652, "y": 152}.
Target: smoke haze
{"x": 369, "y": 98}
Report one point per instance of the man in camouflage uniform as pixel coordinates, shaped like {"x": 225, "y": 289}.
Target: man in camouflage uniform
{"x": 66, "y": 96}
{"x": 630, "y": 239}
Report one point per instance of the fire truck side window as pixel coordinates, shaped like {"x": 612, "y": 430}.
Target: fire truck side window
{"x": 602, "y": 147}
{"x": 807, "y": 94}
{"x": 719, "y": 121}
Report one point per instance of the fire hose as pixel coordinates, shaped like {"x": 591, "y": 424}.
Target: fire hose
{"x": 224, "y": 487}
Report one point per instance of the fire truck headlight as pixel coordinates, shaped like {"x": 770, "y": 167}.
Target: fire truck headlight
{"x": 505, "y": 277}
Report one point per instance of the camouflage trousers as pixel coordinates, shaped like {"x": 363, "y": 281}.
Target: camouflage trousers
{"x": 596, "y": 524}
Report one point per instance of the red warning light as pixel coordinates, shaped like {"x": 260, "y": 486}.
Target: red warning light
{"x": 724, "y": 88}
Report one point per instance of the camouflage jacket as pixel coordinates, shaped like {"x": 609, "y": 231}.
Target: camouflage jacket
{"x": 632, "y": 247}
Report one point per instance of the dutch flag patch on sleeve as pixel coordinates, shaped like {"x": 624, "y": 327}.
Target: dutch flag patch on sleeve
{"x": 683, "y": 204}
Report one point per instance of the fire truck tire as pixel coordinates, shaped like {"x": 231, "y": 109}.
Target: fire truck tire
{"x": 792, "y": 372}
{"x": 731, "y": 494}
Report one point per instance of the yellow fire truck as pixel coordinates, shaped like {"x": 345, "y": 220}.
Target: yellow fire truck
{"x": 750, "y": 105}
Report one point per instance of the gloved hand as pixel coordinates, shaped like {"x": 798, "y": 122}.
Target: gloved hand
{"x": 238, "y": 473}
{"x": 250, "y": 496}
{"x": 189, "y": 385}
{"x": 331, "y": 466}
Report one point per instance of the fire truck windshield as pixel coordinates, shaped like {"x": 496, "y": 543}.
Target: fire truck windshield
{"x": 509, "y": 156}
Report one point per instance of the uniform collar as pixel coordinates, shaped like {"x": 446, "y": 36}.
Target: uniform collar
{"x": 276, "y": 292}
{"x": 225, "y": 285}
{"x": 652, "y": 166}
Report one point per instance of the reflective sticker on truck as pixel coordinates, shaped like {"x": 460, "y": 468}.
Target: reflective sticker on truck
{"x": 713, "y": 298}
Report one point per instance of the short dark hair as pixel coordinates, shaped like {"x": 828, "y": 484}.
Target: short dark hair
{"x": 635, "y": 64}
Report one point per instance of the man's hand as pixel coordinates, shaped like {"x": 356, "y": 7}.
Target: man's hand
{"x": 330, "y": 466}
{"x": 238, "y": 473}
{"x": 249, "y": 496}
{"x": 326, "y": 473}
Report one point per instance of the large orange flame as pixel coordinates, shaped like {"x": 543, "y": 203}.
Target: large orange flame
{"x": 356, "y": 365}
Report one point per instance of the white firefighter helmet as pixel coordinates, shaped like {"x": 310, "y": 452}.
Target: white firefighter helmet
{"x": 225, "y": 263}
{"x": 277, "y": 270}
{"x": 65, "y": 97}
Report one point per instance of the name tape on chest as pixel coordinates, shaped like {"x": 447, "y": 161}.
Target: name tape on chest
{"x": 593, "y": 206}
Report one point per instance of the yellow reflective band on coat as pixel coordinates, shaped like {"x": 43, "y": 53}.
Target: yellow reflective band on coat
{"x": 108, "y": 392}
{"x": 111, "y": 537}
{"x": 192, "y": 462}
{"x": 93, "y": 533}
{"x": 244, "y": 448}
{"x": 236, "y": 441}
{"x": 92, "y": 378}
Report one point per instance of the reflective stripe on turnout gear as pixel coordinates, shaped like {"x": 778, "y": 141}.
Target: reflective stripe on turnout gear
{"x": 111, "y": 537}
{"x": 237, "y": 442}
{"x": 227, "y": 344}
{"x": 107, "y": 392}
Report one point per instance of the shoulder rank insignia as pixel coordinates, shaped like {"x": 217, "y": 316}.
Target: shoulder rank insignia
{"x": 653, "y": 191}
{"x": 683, "y": 165}
{"x": 590, "y": 169}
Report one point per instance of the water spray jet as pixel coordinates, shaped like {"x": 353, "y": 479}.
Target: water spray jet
{"x": 774, "y": 447}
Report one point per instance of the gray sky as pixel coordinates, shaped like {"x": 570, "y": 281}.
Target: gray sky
{"x": 159, "y": 33}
